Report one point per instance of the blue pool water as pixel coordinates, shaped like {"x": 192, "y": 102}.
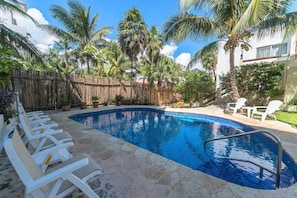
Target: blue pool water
{"x": 180, "y": 137}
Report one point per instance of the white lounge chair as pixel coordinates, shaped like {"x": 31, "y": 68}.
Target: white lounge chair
{"x": 57, "y": 181}
{"x": 45, "y": 137}
{"x": 36, "y": 120}
{"x": 236, "y": 106}
{"x": 268, "y": 110}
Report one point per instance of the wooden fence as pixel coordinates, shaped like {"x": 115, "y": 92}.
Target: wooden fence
{"x": 45, "y": 90}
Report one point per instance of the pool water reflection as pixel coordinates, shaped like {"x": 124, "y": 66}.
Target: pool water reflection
{"x": 180, "y": 137}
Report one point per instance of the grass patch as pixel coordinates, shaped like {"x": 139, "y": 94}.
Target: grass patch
{"x": 287, "y": 117}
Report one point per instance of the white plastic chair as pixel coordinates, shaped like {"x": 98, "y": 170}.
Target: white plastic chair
{"x": 272, "y": 106}
{"x": 37, "y": 121}
{"x": 236, "y": 106}
{"x": 57, "y": 181}
{"x": 45, "y": 137}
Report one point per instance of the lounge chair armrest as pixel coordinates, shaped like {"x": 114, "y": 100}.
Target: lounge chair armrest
{"x": 44, "y": 126}
{"x": 41, "y": 117}
{"x": 34, "y": 113}
{"x": 62, "y": 173}
{"x": 231, "y": 104}
{"x": 39, "y": 121}
{"x": 52, "y": 149}
{"x": 48, "y": 131}
{"x": 45, "y": 134}
{"x": 52, "y": 131}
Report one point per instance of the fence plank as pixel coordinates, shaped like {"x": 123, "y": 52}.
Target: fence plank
{"x": 45, "y": 90}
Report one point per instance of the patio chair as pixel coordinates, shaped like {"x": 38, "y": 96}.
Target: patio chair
{"x": 38, "y": 121}
{"x": 44, "y": 138}
{"x": 57, "y": 181}
{"x": 268, "y": 110}
{"x": 236, "y": 106}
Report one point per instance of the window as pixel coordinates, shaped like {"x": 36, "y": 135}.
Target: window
{"x": 272, "y": 50}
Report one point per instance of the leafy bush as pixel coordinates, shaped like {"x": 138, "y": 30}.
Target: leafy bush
{"x": 293, "y": 102}
{"x": 119, "y": 97}
{"x": 95, "y": 98}
{"x": 258, "y": 81}
{"x": 6, "y": 100}
{"x": 196, "y": 86}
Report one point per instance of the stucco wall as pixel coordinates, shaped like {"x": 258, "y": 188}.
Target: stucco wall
{"x": 290, "y": 83}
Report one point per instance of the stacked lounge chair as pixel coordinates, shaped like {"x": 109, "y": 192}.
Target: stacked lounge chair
{"x": 38, "y": 151}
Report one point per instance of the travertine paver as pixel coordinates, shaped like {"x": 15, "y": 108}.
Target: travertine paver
{"x": 135, "y": 172}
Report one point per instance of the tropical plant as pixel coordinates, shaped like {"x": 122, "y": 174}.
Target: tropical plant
{"x": 95, "y": 98}
{"x": 150, "y": 58}
{"x": 233, "y": 22}
{"x": 6, "y": 101}
{"x": 63, "y": 47}
{"x": 110, "y": 60}
{"x": 208, "y": 57}
{"x": 132, "y": 37}
{"x": 196, "y": 86}
{"x": 8, "y": 62}
{"x": 154, "y": 44}
{"x": 119, "y": 97}
{"x": 166, "y": 70}
{"x": 79, "y": 28}
{"x": 13, "y": 40}
{"x": 59, "y": 58}
{"x": 258, "y": 82}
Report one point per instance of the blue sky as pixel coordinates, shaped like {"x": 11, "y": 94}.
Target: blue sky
{"x": 111, "y": 12}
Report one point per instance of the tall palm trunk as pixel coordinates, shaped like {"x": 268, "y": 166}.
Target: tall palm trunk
{"x": 232, "y": 74}
{"x": 131, "y": 75}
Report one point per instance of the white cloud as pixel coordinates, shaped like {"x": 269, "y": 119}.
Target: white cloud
{"x": 183, "y": 58}
{"x": 39, "y": 37}
{"x": 169, "y": 50}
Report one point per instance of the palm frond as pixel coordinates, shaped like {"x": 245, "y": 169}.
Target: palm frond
{"x": 211, "y": 47}
{"x": 17, "y": 41}
{"x": 182, "y": 26}
{"x": 60, "y": 33}
{"x": 259, "y": 11}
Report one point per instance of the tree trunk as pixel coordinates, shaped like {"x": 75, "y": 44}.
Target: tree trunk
{"x": 131, "y": 88}
{"x": 232, "y": 75}
{"x": 88, "y": 65}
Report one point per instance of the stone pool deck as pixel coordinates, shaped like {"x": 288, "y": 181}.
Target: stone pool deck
{"x": 132, "y": 172}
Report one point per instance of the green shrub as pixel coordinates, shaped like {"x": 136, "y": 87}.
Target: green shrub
{"x": 257, "y": 81}
{"x": 7, "y": 98}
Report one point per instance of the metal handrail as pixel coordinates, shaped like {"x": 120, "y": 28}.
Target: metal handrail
{"x": 279, "y": 152}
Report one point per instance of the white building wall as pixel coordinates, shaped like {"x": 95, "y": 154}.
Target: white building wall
{"x": 9, "y": 21}
{"x": 250, "y": 57}
{"x": 223, "y": 65}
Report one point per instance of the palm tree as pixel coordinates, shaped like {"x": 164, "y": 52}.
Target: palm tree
{"x": 110, "y": 60}
{"x": 79, "y": 28}
{"x": 64, "y": 47}
{"x": 208, "y": 56}
{"x": 132, "y": 37}
{"x": 154, "y": 44}
{"x": 229, "y": 20}
{"x": 152, "y": 53}
{"x": 13, "y": 40}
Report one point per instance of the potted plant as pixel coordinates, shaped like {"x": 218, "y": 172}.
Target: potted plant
{"x": 95, "y": 101}
{"x": 83, "y": 104}
{"x": 65, "y": 104}
{"x": 118, "y": 99}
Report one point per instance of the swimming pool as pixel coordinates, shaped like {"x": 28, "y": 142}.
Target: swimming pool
{"x": 180, "y": 137}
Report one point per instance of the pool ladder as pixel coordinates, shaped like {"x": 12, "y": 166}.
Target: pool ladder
{"x": 262, "y": 168}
